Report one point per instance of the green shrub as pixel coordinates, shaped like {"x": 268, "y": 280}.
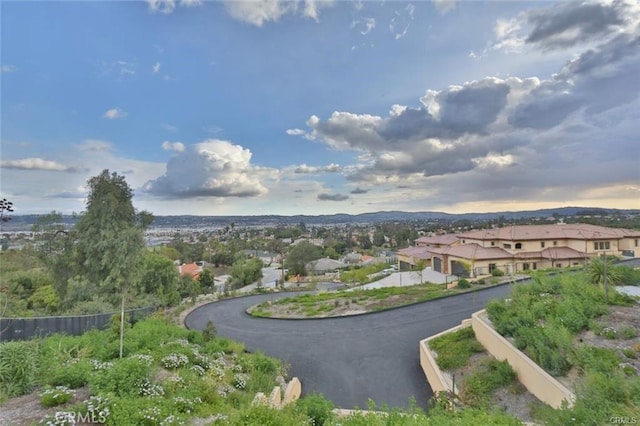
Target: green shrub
{"x": 497, "y": 272}
{"x": 73, "y": 373}
{"x": 628, "y": 332}
{"x": 124, "y": 378}
{"x": 629, "y": 353}
{"x": 317, "y": 408}
{"x": 601, "y": 360}
{"x": 18, "y": 367}
{"x": 463, "y": 283}
{"x": 264, "y": 364}
{"x": 455, "y": 349}
{"x": 56, "y": 396}
{"x": 486, "y": 378}
{"x": 209, "y": 331}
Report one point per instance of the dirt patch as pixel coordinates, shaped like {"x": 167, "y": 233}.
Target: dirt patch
{"x": 27, "y": 410}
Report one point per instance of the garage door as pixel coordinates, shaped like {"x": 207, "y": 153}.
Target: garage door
{"x": 437, "y": 264}
{"x": 457, "y": 268}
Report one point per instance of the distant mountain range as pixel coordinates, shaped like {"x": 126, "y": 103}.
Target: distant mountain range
{"x": 24, "y": 222}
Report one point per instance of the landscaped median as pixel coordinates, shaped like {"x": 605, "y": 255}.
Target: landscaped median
{"x": 356, "y": 302}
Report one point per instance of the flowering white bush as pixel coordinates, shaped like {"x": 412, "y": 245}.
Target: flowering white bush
{"x": 146, "y": 388}
{"x": 186, "y": 405}
{"x": 173, "y": 361}
{"x": 98, "y": 365}
{"x": 176, "y": 380}
{"x": 56, "y": 396}
{"x": 151, "y": 415}
{"x": 198, "y": 370}
{"x": 144, "y": 358}
{"x": 171, "y": 420}
{"x": 240, "y": 381}
{"x": 98, "y": 408}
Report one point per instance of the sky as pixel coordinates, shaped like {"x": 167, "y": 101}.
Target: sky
{"x": 319, "y": 107}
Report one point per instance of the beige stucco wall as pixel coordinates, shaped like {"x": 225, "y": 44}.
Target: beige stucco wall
{"x": 438, "y": 380}
{"x": 535, "y": 379}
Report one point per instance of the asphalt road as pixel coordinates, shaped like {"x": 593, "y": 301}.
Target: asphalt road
{"x": 350, "y": 359}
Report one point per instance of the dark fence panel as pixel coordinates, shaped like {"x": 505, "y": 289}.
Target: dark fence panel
{"x": 27, "y": 328}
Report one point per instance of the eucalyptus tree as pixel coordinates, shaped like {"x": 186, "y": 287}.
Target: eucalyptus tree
{"x": 110, "y": 237}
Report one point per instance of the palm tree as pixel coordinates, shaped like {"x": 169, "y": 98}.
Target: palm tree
{"x": 600, "y": 271}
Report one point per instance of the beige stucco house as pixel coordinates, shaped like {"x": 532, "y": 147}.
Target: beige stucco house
{"x": 528, "y": 247}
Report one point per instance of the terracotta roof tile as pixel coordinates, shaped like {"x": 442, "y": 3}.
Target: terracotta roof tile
{"x": 579, "y": 231}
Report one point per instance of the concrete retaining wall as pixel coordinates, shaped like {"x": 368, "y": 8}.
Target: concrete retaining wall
{"x": 438, "y": 380}
{"x": 535, "y": 379}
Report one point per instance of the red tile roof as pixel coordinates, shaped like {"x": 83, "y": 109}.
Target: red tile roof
{"x": 473, "y": 251}
{"x": 446, "y": 239}
{"x": 190, "y": 269}
{"x": 579, "y": 231}
{"x": 417, "y": 252}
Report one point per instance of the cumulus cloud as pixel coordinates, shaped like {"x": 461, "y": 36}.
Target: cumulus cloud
{"x": 168, "y": 6}
{"x": 155, "y": 68}
{"x": 8, "y": 68}
{"x": 305, "y": 169}
{"x": 212, "y": 168}
{"x": 173, "y": 146}
{"x": 511, "y": 138}
{"x": 259, "y": 12}
{"x": 566, "y": 25}
{"x": 332, "y": 197}
{"x": 114, "y": 113}
{"x": 36, "y": 164}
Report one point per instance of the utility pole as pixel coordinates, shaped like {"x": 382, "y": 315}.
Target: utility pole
{"x": 604, "y": 278}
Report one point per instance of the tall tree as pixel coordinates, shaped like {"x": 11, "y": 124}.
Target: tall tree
{"x": 299, "y": 255}
{"x": 110, "y": 237}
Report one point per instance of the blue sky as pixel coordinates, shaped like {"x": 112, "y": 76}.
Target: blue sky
{"x": 320, "y": 107}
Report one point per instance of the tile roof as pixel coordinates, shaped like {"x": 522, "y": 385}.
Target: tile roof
{"x": 417, "y": 252}
{"x": 446, "y": 239}
{"x": 190, "y": 269}
{"x": 473, "y": 251}
{"x": 579, "y": 231}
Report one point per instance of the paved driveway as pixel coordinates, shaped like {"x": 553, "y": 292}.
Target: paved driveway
{"x": 349, "y": 359}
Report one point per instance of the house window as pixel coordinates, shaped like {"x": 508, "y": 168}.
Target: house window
{"x": 541, "y": 244}
{"x": 558, "y": 265}
{"x": 525, "y": 266}
{"x": 636, "y": 243}
{"x": 534, "y": 266}
{"x": 493, "y": 243}
{"x": 602, "y": 245}
{"x": 518, "y": 245}
{"x": 555, "y": 243}
{"x": 507, "y": 246}
{"x": 463, "y": 241}
{"x": 492, "y": 267}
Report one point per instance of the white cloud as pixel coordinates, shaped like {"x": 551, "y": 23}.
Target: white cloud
{"x": 212, "y": 168}
{"x": 444, "y": 6}
{"x": 364, "y": 25}
{"x": 161, "y": 6}
{"x": 95, "y": 145}
{"x": 169, "y": 127}
{"x": 8, "y": 68}
{"x": 155, "y": 68}
{"x": 191, "y": 3}
{"x": 305, "y": 169}
{"x": 36, "y": 164}
{"x": 401, "y": 22}
{"x": 173, "y": 146}
{"x": 114, "y": 113}
{"x": 259, "y": 12}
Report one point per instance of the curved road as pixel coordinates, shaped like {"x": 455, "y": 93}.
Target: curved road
{"x": 350, "y": 359}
